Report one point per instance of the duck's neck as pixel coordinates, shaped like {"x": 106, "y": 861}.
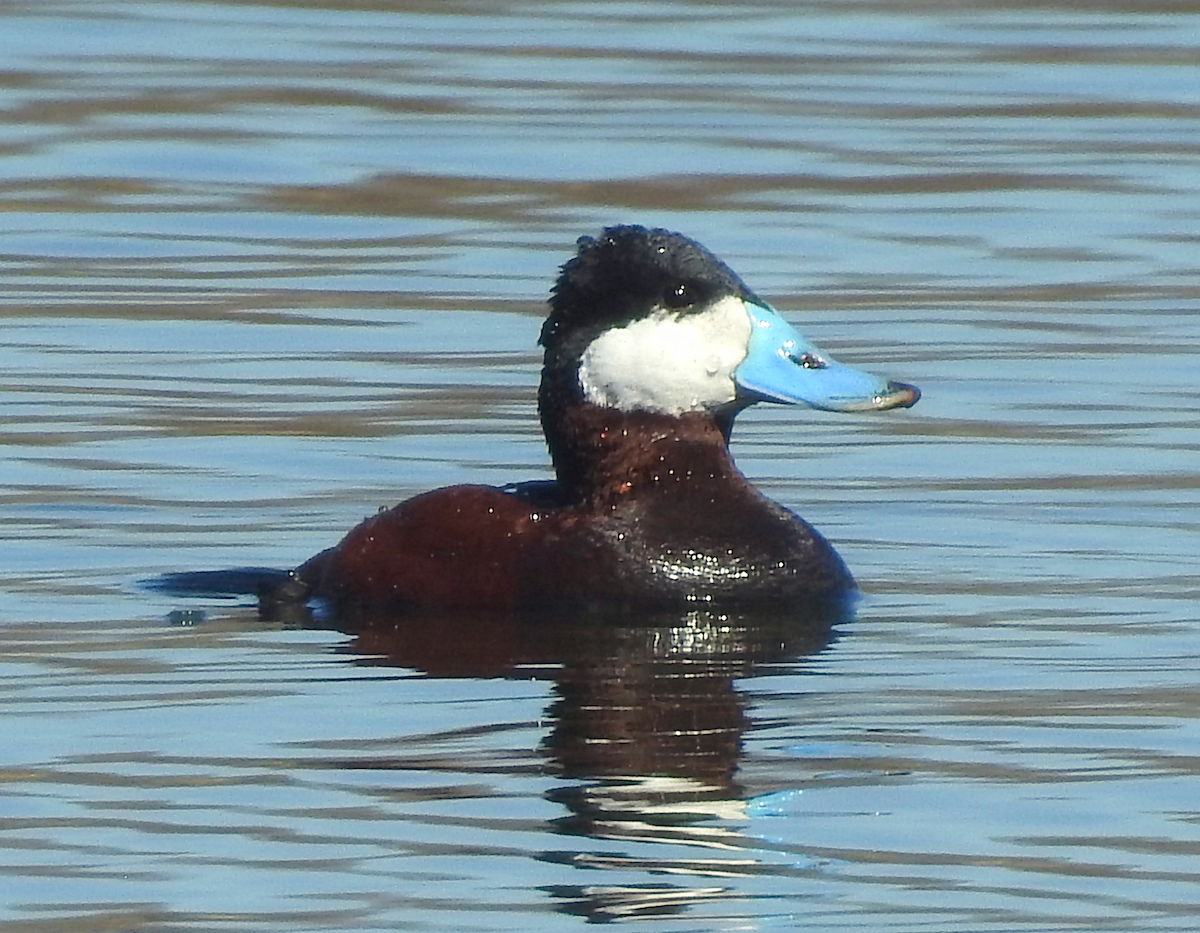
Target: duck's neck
{"x": 600, "y": 454}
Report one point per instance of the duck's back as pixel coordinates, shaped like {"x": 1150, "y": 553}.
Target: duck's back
{"x": 688, "y": 529}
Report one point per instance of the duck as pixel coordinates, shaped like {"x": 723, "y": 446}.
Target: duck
{"x": 652, "y": 346}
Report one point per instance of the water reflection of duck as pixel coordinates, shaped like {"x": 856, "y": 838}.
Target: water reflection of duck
{"x": 653, "y": 345}
{"x": 644, "y": 732}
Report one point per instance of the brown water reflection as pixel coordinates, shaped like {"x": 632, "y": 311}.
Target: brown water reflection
{"x": 644, "y": 731}
{"x": 635, "y": 696}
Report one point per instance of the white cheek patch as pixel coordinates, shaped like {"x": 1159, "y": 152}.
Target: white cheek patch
{"x": 668, "y": 362}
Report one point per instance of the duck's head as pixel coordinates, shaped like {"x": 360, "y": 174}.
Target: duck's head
{"x": 649, "y": 320}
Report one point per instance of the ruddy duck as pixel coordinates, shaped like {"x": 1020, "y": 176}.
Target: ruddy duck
{"x": 652, "y": 347}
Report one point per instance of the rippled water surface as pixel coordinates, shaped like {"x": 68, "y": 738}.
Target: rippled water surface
{"x": 269, "y": 267}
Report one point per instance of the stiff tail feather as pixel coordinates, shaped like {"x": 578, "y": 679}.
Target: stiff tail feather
{"x": 223, "y": 584}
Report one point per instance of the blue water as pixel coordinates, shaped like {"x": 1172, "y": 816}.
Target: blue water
{"x": 269, "y": 267}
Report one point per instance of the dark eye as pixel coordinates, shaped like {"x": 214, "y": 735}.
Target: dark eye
{"x": 809, "y": 361}
{"x": 679, "y": 295}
